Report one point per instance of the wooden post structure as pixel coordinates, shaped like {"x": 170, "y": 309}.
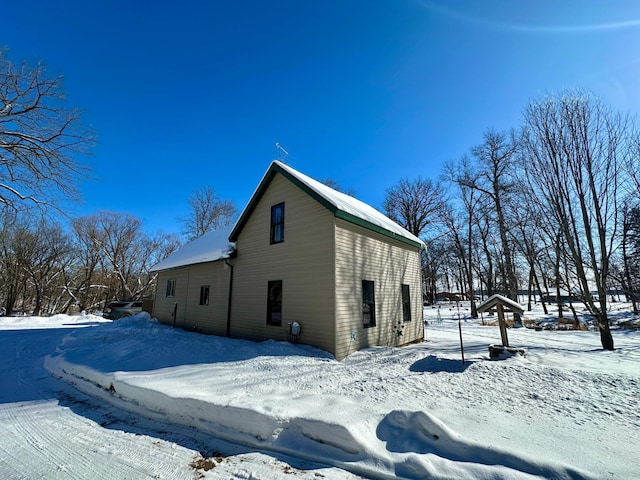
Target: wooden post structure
{"x": 503, "y": 325}
{"x": 500, "y": 305}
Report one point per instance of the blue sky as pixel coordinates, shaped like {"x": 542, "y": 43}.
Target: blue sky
{"x": 193, "y": 93}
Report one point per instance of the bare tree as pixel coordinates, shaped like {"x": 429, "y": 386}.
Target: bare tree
{"x": 42, "y": 250}
{"x": 629, "y": 274}
{"x": 632, "y": 168}
{"x": 12, "y": 275}
{"x": 496, "y": 158}
{"x": 432, "y": 258}
{"x": 531, "y": 240}
{"x": 414, "y": 204}
{"x": 461, "y": 224}
{"x": 207, "y": 212}
{"x": 85, "y": 281}
{"x": 127, "y": 253}
{"x": 484, "y": 265}
{"x": 43, "y": 268}
{"x": 40, "y": 138}
{"x": 31, "y": 257}
{"x": 575, "y": 148}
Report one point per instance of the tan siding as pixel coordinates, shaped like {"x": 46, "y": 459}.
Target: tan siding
{"x": 321, "y": 263}
{"x": 191, "y": 315}
{"x": 163, "y": 305}
{"x": 365, "y": 255}
{"x": 304, "y": 262}
{"x": 210, "y": 318}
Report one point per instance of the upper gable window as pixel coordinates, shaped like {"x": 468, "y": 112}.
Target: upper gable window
{"x": 277, "y": 223}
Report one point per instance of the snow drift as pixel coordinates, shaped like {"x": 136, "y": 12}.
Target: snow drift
{"x": 297, "y": 400}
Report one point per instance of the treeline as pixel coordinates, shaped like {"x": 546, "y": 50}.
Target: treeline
{"x": 47, "y": 267}
{"x": 552, "y": 207}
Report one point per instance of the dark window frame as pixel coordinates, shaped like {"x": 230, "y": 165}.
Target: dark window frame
{"x": 171, "y": 288}
{"x": 274, "y": 303}
{"x": 406, "y": 302}
{"x": 205, "y": 291}
{"x": 276, "y": 234}
{"x": 368, "y": 304}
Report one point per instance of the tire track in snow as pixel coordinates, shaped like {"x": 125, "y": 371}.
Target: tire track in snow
{"x": 39, "y": 438}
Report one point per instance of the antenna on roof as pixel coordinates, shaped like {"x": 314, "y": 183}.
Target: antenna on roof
{"x": 282, "y": 153}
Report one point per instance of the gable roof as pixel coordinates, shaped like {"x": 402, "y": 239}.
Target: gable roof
{"x": 210, "y": 247}
{"x": 341, "y": 205}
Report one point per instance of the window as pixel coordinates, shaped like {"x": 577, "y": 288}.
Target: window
{"x": 204, "y": 295}
{"x": 368, "y": 304}
{"x": 171, "y": 287}
{"x": 274, "y": 303}
{"x": 277, "y": 223}
{"x": 406, "y": 303}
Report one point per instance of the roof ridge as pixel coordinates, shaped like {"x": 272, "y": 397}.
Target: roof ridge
{"x": 354, "y": 208}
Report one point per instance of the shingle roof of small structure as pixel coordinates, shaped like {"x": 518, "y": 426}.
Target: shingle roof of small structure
{"x": 493, "y": 300}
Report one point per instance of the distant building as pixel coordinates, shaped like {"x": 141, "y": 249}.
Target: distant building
{"x": 304, "y": 263}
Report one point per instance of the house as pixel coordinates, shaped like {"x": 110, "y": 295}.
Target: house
{"x": 303, "y": 263}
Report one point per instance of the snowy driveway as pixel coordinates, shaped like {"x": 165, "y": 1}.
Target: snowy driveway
{"x": 50, "y": 430}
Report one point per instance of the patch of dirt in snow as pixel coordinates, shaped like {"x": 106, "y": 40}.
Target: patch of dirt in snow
{"x": 258, "y": 466}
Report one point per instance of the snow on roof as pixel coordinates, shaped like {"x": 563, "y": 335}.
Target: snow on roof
{"x": 215, "y": 245}
{"x": 209, "y": 247}
{"x": 350, "y": 205}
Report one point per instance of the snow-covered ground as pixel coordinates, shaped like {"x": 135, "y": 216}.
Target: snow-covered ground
{"x": 141, "y": 400}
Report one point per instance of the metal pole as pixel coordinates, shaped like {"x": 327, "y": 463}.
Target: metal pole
{"x": 461, "y": 346}
{"x": 460, "y": 330}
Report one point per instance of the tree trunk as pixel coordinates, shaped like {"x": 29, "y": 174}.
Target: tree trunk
{"x": 544, "y": 304}
{"x": 529, "y": 285}
{"x": 474, "y": 311}
{"x": 627, "y": 281}
{"x": 556, "y": 272}
{"x": 606, "y": 339}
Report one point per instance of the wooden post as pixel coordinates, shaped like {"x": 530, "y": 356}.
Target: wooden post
{"x": 503, "y": 325}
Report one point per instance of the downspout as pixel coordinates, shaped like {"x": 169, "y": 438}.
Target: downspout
{"x": 174, "y": 314}
{"x": 226, "y": 262}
